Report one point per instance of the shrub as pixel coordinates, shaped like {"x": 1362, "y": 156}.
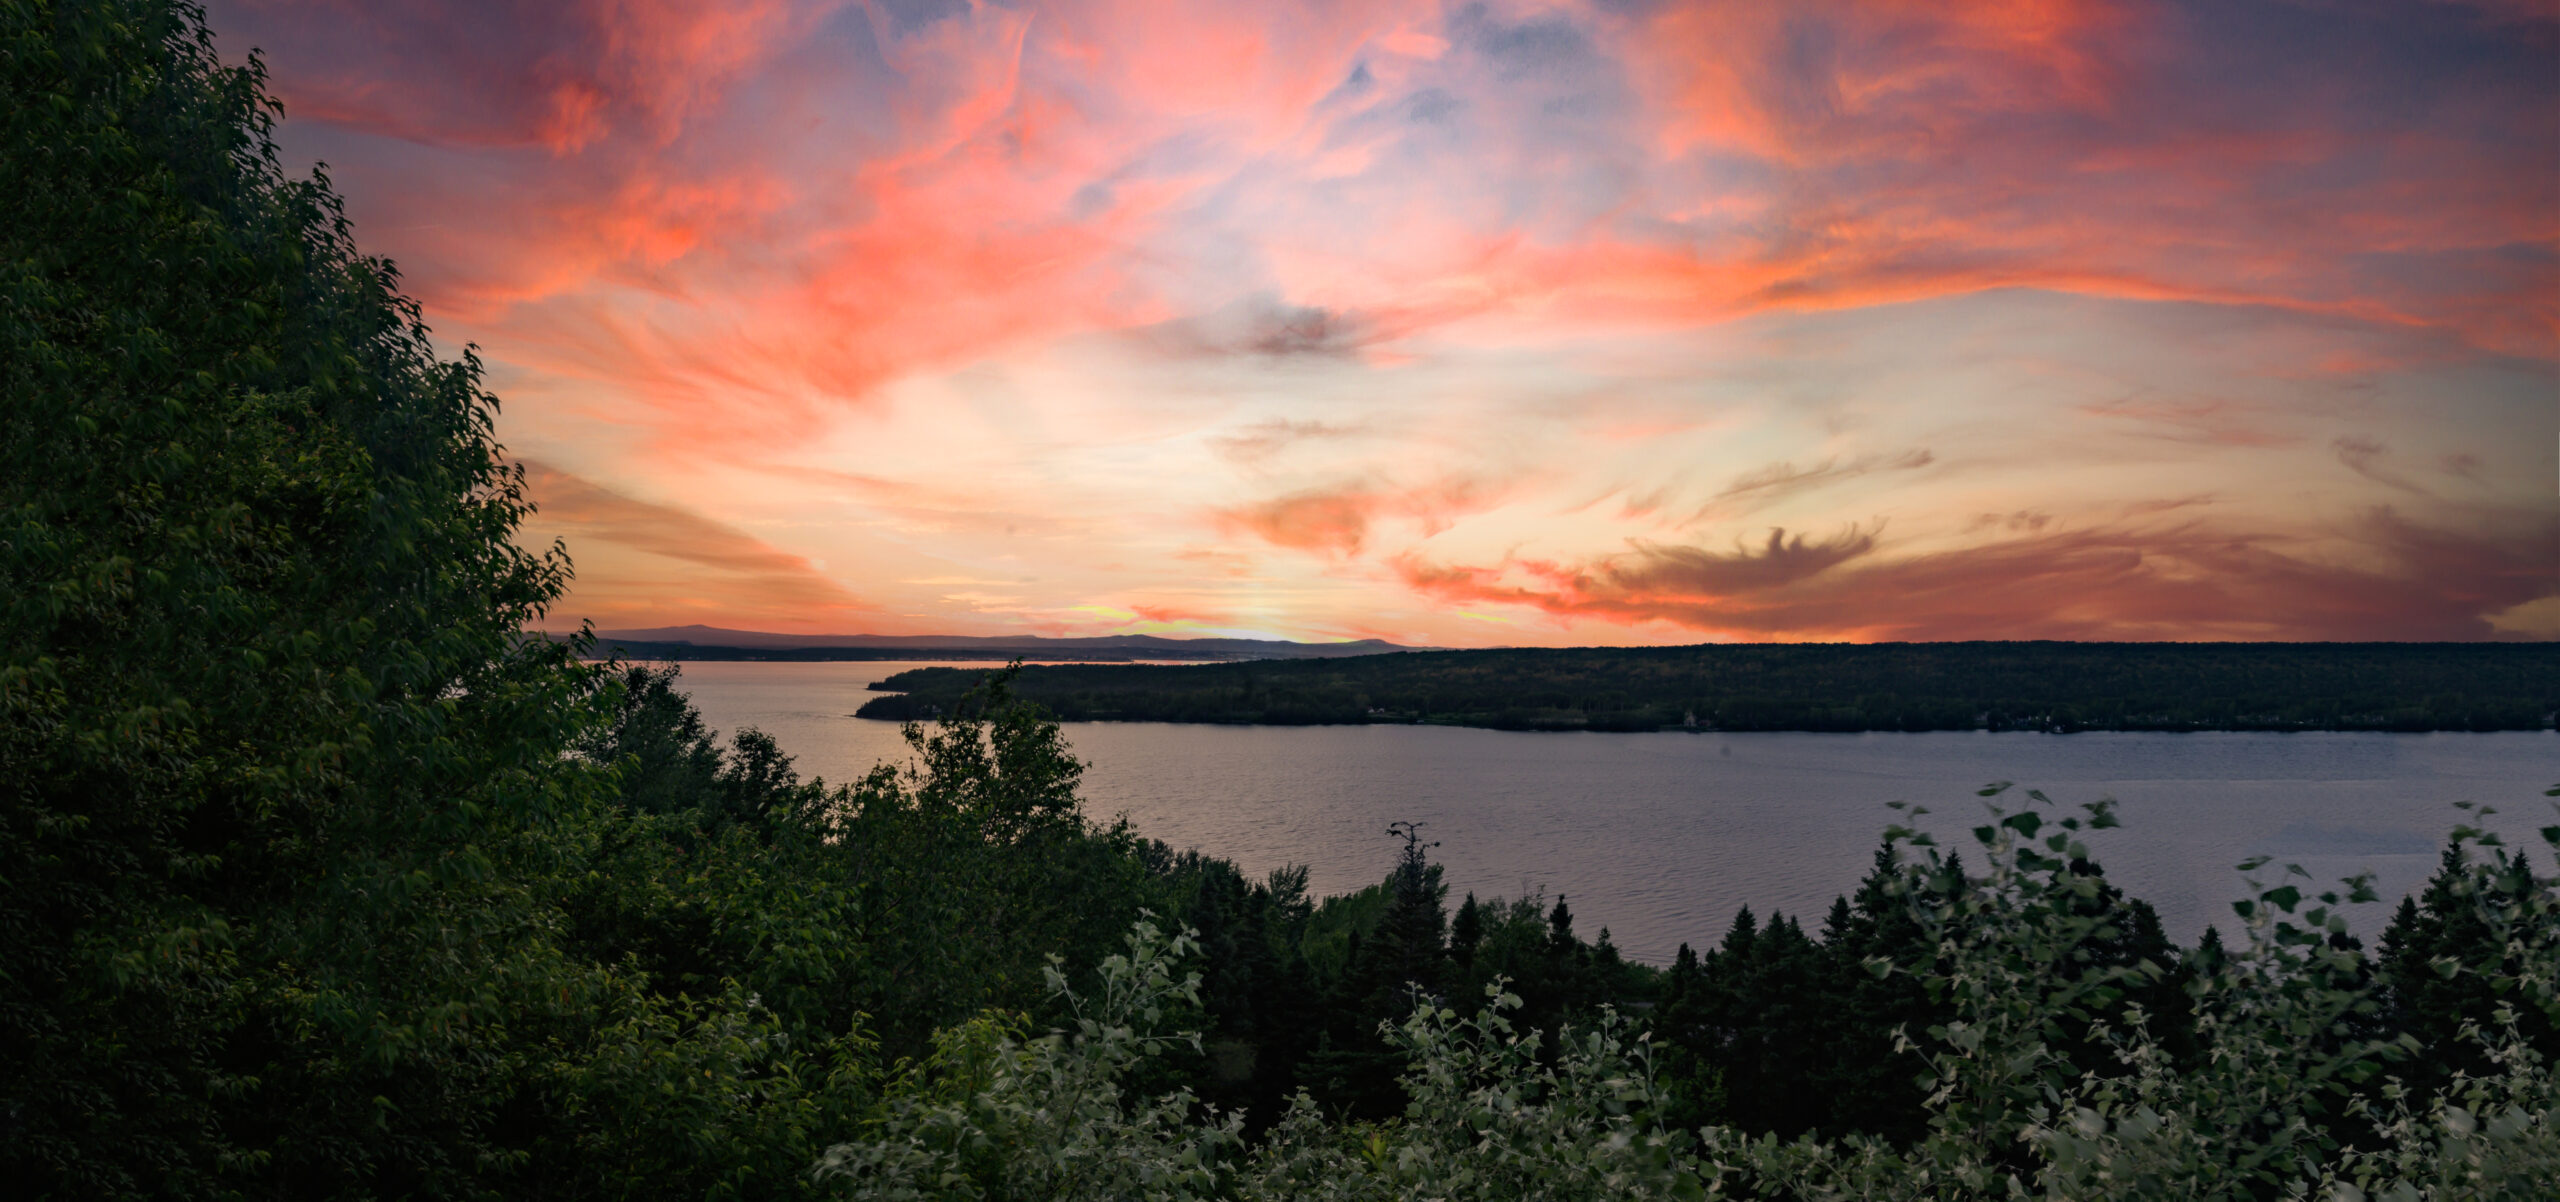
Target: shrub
{"x": 2271, "y": 1109}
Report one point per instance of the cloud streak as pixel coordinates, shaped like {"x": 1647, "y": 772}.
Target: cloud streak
{"x": 637, "y": 559}
{"x": 2184, "y": 582}
{"x": 1321, "y": 316}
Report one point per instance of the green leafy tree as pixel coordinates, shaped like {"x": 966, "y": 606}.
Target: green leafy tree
{"x": 291, "y": 802}
{"x": 279, "y": 765}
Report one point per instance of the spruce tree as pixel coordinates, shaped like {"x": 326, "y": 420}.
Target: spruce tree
{"x": 1466, "y": 930}
{"x": 2437, "y": 960}
{"x": 1411, "y": 936}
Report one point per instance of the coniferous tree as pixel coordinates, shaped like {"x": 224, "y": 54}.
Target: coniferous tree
{"x": 2436, "y": 963}
{"x": 1761, "y": 1022}
{"x": 1411, "y": 937}
{"x": 2210, "y": 955}
{"x": 1865, "y": 1082}
{"x": 1466, "y": 930}
{"x": 1694, "y": 1083}
{"x": 1389, "y": 967}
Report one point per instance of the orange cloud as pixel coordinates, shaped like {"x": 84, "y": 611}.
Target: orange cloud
{"x": 1066, "y": 291}
{"x": 1334, "y": 522}
{"x": 643, "y": 563}
{"x": 1337, "y": 520}
{"x": 2188, "y": 582}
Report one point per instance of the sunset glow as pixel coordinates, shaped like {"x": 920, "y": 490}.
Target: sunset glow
{"x": 1488, "y": 324}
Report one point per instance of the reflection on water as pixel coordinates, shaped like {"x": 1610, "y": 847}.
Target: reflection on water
{"x": 1660, "y": 837}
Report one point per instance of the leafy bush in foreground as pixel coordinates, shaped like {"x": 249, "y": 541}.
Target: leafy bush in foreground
{"x": 2274, "y": 1109}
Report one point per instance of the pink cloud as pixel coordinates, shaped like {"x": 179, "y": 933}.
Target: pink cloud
{"x": 2188, "y": 582}
{"x": 725, "y": 233}
{"x": 1020, "y": 173}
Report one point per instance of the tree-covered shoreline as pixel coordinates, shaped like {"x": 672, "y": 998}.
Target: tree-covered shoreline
{"x": 1818, "y": 687}
{"x": 319, "y": 878}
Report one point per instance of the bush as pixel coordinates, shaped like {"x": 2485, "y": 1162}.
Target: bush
{"x": 2272, "y": 1108}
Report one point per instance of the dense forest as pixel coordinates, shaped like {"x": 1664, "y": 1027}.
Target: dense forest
{"x": 320, "y": 878}
{"x": 1840, "y": 687}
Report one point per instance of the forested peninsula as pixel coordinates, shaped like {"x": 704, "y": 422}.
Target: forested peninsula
{"x": 1818, "y": 687}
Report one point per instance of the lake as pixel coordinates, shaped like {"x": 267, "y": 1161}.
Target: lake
{"x": 1661, "y": 837}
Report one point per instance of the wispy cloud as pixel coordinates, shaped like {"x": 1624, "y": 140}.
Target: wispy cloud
{"x": 2205, "y": 421}
{"x": 638, "y": 560}
{"x": 1324, "y": 316}
{"x": 1263, "y": 439}
{"x": 2184, "y": 582}
{"x": 2368, "y": 457}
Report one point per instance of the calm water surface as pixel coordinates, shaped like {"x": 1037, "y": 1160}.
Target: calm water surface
{"x": 1661, "y": 837}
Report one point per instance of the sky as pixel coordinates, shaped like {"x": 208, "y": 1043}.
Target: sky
{"x": 1487, "y": 324}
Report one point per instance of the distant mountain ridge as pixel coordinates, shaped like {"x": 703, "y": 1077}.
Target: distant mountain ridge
{"x": 699, "y": 642}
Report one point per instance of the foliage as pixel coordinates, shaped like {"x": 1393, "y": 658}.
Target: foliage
{"x": 993, "y": 1115}
{"x": 2022, "y": 962}
{"x": 319, "y": 879}
{"x": 996, "y": 1115}
{"x": 282, "y": 777}
{"x": 973, "y": 864}
{"x": 2442, "y": 953}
